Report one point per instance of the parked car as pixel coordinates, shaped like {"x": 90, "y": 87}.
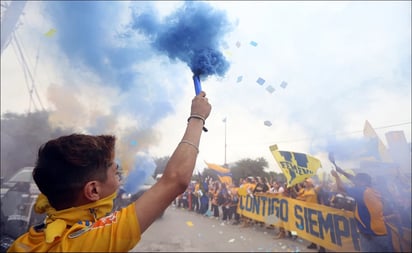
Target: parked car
{"x": 18, "y": 195}
{"x": 24, "y": 175}
{"x": 19, "y": 190}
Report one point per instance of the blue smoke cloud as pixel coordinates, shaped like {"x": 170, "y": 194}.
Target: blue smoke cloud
{"x": 93, "y": 38}
{"x": 111, "y": 48}
{"x": 84, "y": 34}
{"x": 192, "y": 34}
{"x": 353, "y": 148}
{"x": 144, "y": 167}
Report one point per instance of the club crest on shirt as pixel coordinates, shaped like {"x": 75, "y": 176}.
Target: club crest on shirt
{"x": 78, "y": 233}
{"x": 104, "y": 221}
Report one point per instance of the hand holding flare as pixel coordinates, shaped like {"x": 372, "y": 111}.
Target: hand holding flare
{"x": 198, "y": 89}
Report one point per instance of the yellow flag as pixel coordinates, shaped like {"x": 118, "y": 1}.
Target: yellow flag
{"x": 50, "y": 33}
{"x": 224, "y": 174}
{"x": 295, "y": 166}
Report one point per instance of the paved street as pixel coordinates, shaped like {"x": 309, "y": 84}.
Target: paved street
{"x": 180, "y": 230}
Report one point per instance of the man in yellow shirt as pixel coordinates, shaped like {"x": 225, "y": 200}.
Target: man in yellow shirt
{"x": 79, "y": 179}
{"x": 196, "y": 196}
{"x": 308, "y": 194}
{"x": 248, "y": 186}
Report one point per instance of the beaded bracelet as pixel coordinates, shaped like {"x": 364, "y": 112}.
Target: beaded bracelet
{"x": 191, "y": 144}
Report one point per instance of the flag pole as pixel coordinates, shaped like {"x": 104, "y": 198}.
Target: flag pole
{"x": 225, "y": 140}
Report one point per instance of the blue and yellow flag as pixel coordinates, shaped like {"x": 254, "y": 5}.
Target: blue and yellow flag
{"x": 295, "y": 166}
{"x": 224, "y": 175}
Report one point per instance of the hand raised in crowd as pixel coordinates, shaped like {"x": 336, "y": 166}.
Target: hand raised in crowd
{"x": 334, "y": 173}
{"x": 179, "y": 168}
{"x": 339, "y": 169}
{"x": 200, "y": 106}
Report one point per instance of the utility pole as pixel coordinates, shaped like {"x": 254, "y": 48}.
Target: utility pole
{"x": 225, "y": 121}
{"x": 9, "y": 21}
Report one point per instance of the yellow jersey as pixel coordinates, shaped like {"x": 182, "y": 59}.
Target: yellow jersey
{"x": 119, "y": 231}
{"x": 308, "y": 195}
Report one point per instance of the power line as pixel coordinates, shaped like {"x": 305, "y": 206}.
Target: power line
{"x": 9, "y": 18}
{"x": 399, "y": 124}
{"x": 332, "y": 134}
{"x": 28, "y": 74}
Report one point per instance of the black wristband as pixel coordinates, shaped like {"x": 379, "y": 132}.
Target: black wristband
{"x": 196, "y": 116}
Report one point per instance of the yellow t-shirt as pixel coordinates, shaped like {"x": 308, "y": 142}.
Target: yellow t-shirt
{"x": 248, "y": 187}
{"x": 308, "y": 195}
{"x": 252, "y": 187}
{"x": 196, "y": 191}
{"x": 119, "y": 231}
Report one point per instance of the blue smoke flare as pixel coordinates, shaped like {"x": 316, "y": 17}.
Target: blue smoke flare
{"x": 192, "y": 34}
{"x": 144, "y": 167}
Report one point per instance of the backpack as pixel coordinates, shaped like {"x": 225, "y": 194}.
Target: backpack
{"x": 343, "y": 201}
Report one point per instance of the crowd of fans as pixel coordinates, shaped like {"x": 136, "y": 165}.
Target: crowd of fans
{"x": 213, "y": 198}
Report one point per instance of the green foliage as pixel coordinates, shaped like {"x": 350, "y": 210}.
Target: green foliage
{"x": 277, "y": 177}
{"x": 247, "y": 168}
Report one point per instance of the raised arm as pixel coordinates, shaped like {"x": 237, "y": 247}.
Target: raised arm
{"x": 341, "y": 171}
{"x": 179, "y": 169}
{"x": 339, "y": 182}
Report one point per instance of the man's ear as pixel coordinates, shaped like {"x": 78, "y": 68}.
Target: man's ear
{"x": 91, "y": 191}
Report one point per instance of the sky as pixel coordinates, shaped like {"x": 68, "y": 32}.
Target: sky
{"x": 303, "y": 75}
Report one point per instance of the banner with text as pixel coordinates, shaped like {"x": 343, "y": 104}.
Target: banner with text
{"x": 331, "y": 228}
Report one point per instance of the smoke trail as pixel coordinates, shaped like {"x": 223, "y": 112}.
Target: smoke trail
{"x": 192, "y": 34}
{"x": 144, "y": 167}
{"x": 351, "y": 148}
{"x": 132, "y": 142}
{"x": 119, "y": 64}
{"x": 86, "y": 37}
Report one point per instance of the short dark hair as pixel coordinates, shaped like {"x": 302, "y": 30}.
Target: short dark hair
{"x": 65, "y": 164}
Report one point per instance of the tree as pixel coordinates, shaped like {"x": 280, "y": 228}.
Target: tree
{"x": 248, "y": 167}
{"x": 277, "y": 177}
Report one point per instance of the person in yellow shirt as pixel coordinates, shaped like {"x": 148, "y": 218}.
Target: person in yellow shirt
{"x": 308, "y": 194}
{"x": 234, "y": 196}
{"x": 248, "y": 186}
{"x": 196, "y": 196}
{"x": 78, "y": 180}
